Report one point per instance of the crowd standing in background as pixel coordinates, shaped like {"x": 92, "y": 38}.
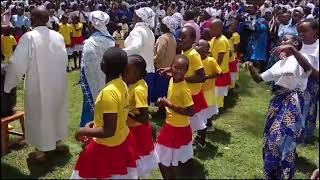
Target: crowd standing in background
{"x": 178, "y": 59}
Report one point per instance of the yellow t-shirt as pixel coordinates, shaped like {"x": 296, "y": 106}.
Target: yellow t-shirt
{"x": 221, "y": 45}
{"x": 195, "y": 64}
{"x": 7, "y": 43}
{"x": 210, "y": 67}
{"x": 138, "y": 98}
{"x": 113, "y": 98}
{"x": 234, "y": 40}
{"x": 77, "y": 33}
{"x": 179, "y": 95}
{"x": 65, "y": 30}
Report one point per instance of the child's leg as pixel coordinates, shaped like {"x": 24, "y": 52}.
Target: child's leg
{"x": 185, "y": 170}
{"x": 68, "y": 67}
{"x": 202, "y": 136}
{"x": 167, "y": 172}
{"x": 75, "y": 55}
{"x": 80, "y": 58}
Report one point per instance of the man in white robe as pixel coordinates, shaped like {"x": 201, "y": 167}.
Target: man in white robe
{"x": 42, "y": 57}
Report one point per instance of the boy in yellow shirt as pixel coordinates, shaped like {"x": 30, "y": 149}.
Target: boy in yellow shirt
{"x": 174, "y": 142}
{"x": 66, "y": 30}
{"x": 8, "y": 44}
{"x": 220, "y": 50}
{"x": 212, "y": 70}
{"x": 234, "y": 41}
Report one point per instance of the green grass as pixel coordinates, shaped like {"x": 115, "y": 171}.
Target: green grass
{"x": 234, "y": 149}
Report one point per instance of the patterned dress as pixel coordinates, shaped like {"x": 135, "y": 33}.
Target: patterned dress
{"x": 310, "y": 109}
{"x": 282, "y": 133}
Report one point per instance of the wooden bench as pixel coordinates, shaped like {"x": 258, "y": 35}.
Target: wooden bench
{"x": 5, "y": 130}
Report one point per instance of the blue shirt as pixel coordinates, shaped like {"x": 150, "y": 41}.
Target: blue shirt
{"x": 20, "y": 21}
{"x": 289, "y": 29}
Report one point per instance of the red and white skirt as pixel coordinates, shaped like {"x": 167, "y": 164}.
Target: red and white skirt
{"x": 233, "y": 66}
{"x": 222, "y": 84}
{"x": 148, "y": 159}
{"x": 209, "y": 112}
{"x": 174, "y": 145}
{"x": 200, "y": 104}
{"x": 77, "y": 43}
{"x": 69, "y": 49}
{"x": 102, "y": 162}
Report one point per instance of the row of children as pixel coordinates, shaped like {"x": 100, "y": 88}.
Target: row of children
{"x": 122, "y": 144}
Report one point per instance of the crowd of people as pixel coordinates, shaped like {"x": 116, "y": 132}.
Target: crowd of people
{"x": 177, "y": 59}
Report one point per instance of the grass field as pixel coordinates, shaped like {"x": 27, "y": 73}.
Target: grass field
{"x": 234, "y": 149}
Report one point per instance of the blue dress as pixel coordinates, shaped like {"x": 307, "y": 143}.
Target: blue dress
{"x": 282, "y": 133}
{"x": 310, "y": 109}
{"x": 260, "y": 42}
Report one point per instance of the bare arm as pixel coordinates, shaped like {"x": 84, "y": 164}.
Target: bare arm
{"x": 188, "y": 111}
{"x": 143, "y": 117}
{"x": 108, "y": 130}
{"x": 199, "y": 77}
{"x": 254, "y": 74}
{"x": 220, "y": 58}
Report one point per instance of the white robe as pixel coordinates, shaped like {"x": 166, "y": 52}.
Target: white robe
{"x": 41, "y": 55}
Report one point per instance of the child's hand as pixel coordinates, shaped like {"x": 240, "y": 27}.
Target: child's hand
{"x": 247, "y": 65}
{"x": 315, "y": 174}
{"x": 164, "y": 72}
{"x": 78, "y": 136}
{"x": 163, "y": 102}
{"x": 89, "y": 125}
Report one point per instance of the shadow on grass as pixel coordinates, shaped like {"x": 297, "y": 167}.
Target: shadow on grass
{"x": 245, "y": 84}
{"x": 219, "y": 136}
{"x": 193, "y": 169}
{"x": 305, "y": 166}
{"x": 209, "y": 152}
{"x": 255, "y": 123}
{"x": 55, "y": 159}
{"x": 10, "y": 172}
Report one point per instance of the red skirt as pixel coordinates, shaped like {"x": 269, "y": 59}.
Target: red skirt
{"x": 100, "y": 161}
{"x": 199, "y": 102}
{"x": 233, "y": 67}
{"x": 77, "y": 40}
{"x": 174, "y": 137}
{"x": 143, "y": 138}
{"x": 224, "y": 80}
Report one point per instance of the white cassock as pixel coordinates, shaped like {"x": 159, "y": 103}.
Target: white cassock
{"x": 41, "y": 55}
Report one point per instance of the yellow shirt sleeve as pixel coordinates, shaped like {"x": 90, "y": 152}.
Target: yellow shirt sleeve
{"x": 13, "y": 41}
{"x": 140, "y": 97}
{"x": 195, "y": 62}
{"x": 109, "y": 101}
{"x": 236, "y": 38}
{"x": 215, "y": 67}
{"x": 222, "y": 47}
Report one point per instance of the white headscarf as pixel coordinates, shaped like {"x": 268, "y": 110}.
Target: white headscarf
{"x": 147, "y": 15}
{"x": 178, "y": 18}
{"x": 171, "y": 23}
{"x": 99, "y": 21}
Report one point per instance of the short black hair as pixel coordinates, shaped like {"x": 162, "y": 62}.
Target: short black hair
{"x": 192, "y": 32}
{"x": 184, "y": 58}
{"x": 139, "y": 63}
{"x": 313, "y": 23}
{"x": 189, "y": 15}
{"x": 114, "y": 62}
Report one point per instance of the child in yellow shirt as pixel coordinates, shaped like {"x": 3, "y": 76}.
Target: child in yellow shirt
{"x": 220, "y": 50}
{"x": 111, "y": 152}
{"x": 77, "y": 40}
{"x": 174, "y": 143}
{"x": 66, "y": 30}
{"x": 234, "y": 41}
{"x": 138, "y": 118}
{"x": 212, "y": 71}
{"x": 8, "y": 44}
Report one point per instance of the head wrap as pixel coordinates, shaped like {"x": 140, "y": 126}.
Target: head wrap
{"x": 299, "y": 9}
{"x": 178, "y": 18}
{"x": 99, "y": 20}
{"x": 147, "y": 15}
{"x": 171, "y": 23}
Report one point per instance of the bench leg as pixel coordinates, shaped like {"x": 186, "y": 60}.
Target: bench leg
{"x": 4, "y": 138}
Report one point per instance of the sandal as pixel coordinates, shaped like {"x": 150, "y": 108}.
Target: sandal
{"x": 38, "y": 157}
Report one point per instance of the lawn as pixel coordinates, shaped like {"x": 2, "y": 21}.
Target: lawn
{"x": 234, "y": 149}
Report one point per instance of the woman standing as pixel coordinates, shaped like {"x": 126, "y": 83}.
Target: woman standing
{"x": 92, "y": 79}
{"x": 165, "y": 52}
{"x": 141, "y": 41}
{"x": 284, "y": 124}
